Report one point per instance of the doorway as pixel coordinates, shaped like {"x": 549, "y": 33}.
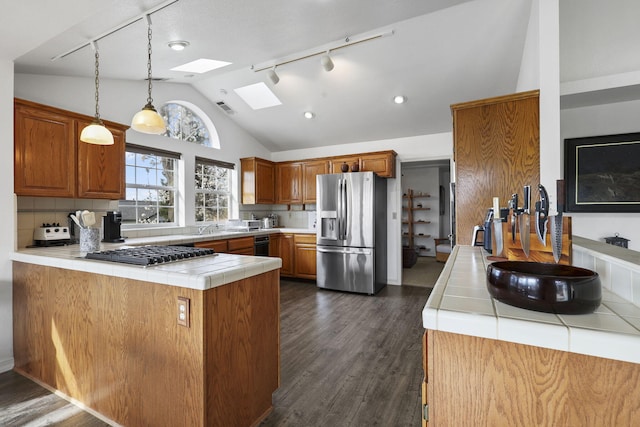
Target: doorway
{"x": 426, "y": 215}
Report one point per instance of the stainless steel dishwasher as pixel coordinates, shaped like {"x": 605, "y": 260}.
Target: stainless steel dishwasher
{"x": 261, "y": 245}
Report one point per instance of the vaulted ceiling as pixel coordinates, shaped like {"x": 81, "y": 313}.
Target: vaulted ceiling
{"x": 435, "y": 53}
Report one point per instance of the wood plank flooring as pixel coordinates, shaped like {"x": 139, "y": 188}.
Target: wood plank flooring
{"x": 346, "y": 360}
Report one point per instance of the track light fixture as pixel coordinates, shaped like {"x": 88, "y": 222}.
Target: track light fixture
{"x": 326, "y": 62}
{"x": 273, "y": 76}
{"x": 325, "y": 59}
{"x": 96, "y": 132}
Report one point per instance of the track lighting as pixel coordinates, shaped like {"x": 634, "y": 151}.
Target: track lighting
{"x": 273, "y": 76}
{"x": 326, "y": 62}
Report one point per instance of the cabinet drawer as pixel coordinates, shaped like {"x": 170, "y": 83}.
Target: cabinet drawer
{"x": 305, "y": 239}
{"x": 217, "y": 245}
{"x": 241, "y": 243}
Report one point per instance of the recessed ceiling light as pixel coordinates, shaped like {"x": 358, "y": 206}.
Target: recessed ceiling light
{"x": 309, "y": 115}
{"x": 399, "y": 99}
{"x": 258, "y": 96}
{"x": 201, "y": 66}
{"x": 178, "y": 44}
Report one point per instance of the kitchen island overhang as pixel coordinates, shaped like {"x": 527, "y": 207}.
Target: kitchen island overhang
{"x": 108, "y": 335}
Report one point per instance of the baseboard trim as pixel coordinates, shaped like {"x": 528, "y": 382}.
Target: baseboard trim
{"x": 7, "y": 364}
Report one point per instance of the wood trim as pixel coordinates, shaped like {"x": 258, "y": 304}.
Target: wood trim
{"x": 496, "y": 100}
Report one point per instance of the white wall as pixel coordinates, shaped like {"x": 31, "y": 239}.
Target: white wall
{"x": 7, "y": 211}
{"x": 621, "y": 117}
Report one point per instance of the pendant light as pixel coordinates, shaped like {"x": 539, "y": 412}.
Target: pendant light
{"x": 148, "y": 120}
{"x": 96, "y": 132}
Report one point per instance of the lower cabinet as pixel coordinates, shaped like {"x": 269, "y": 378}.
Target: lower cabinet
{"x": 305, "y": 256}
{"x": 287, "y": 254}
{"x": 239, "y": 246}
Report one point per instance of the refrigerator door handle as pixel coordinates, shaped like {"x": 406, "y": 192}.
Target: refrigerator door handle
{"x": 343, "y": 214}
{"x": 339, "y": 210}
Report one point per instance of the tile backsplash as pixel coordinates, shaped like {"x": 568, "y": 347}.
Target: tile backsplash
{"x": 295, "y": 217}
{"x": 34, "y": 211}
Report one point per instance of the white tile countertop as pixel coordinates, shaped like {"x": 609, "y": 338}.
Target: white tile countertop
{"x": 460, "y": 303}
{"x": 198, "y": 273}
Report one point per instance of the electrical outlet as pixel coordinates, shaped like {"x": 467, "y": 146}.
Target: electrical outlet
{"x": 183, "y": 311}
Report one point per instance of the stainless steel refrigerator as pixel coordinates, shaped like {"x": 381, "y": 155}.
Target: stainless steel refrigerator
{"x": 351, "y": 232}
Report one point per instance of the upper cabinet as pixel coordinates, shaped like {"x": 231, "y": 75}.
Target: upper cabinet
{"x": 382, "y": 163}
{"x": 497, "y": 152}
{"x": 310, "y": 170}
{"x": 258, "y": 178}
{"x": 51, "y": 161}
{"x": 289, "y": 183}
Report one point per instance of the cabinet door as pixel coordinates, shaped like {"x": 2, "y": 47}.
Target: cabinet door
{"x": 220, "y": 246}
{"x": 287, "y": 254}
{"x": 309, "y": 172}
{"x": 258, "y": 181}
{"x": 383, "y": 164}
{"x": 289, "y": 183}
{"x": 305, "y": 256}
{"x": 44, "y": 153}
{"x": 335, "y": 164}
{"x": 497, "y": 152}
{"x": 274, "y": 245}
{"x": 245, "y": 251}
{"x": 101, "y": 167}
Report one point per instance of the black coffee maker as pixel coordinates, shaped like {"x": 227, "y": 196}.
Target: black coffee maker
{"x": 111, "y": 227}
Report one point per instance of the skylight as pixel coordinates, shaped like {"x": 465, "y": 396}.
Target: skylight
{"x": 258, "y": 96}
{"x": 200, "y": 66}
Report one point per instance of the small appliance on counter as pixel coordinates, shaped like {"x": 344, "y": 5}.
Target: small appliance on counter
{"x": 111, "y": 225}
{"x": 51, "y": 235}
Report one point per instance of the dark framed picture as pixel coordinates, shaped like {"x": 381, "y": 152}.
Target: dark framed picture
{"x": 602, "y": 173}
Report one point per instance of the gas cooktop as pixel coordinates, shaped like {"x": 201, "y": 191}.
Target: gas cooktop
{"x": 150, "y": 255}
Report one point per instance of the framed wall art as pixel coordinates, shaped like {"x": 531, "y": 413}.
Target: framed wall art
{"x": 602, "y": 173}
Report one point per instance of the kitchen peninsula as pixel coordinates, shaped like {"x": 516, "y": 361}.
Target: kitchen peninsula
{"x": 111, "y": 337}
{"x": 489, "y": 363}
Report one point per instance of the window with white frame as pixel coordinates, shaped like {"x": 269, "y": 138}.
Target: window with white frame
{"x": 212, "y": 190}
{"x": 187, "y": 122}
{"x": 151, "y": 186}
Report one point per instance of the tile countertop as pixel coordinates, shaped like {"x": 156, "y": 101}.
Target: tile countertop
{"x": 199, "y": 273}
{"x": 460, "y": 303}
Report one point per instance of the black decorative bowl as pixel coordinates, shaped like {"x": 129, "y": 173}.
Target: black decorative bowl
{"x": 552, "y": 288}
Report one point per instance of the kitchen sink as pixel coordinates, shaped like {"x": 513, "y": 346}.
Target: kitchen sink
{"x": 551, "y": 288}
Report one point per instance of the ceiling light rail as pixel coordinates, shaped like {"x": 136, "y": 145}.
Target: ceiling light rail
{"x": 125, "y": 24}
{"x": 325, "y": 52}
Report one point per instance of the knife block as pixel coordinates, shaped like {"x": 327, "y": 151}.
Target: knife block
{"x": 537, "y": 252}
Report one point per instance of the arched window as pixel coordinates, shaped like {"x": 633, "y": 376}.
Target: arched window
{"x": 187, "y": 122}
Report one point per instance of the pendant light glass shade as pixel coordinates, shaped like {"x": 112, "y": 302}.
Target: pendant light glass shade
{"x": 148, "y": 120}
{"x": 96, "y": 132}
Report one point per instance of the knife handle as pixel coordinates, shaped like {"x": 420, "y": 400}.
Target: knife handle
{"x": 560, "y": 195}
{"x": 527, "y": 199}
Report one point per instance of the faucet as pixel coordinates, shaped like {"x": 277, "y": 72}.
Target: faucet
{"x": 202, "y": 228}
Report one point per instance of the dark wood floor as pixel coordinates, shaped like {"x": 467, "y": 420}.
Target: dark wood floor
{"x": 347, "y": 360}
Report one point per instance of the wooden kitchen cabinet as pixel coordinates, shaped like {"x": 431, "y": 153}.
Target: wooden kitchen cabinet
{"x": 219, "y": 246}
{"x": 311, "y": 169}
{"x": 305, "y": 256}
{"x": 497, "y": 152}
{"x": 487, "y": 382}
{"x": 382, "y": 163}
{"x": 51, "y": 161}
{"x": 335, "y": 163}
{"x": 258, "y": 181}
{"x": 274, "y": 245}
{"x": 289, "y": 183}
{"x": 287, "y": 254}
{"x": 241, "y": 246}
{"x": 99, "y": 166}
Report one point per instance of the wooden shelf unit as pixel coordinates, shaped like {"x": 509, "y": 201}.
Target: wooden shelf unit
{"x": 410, "y": 222}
